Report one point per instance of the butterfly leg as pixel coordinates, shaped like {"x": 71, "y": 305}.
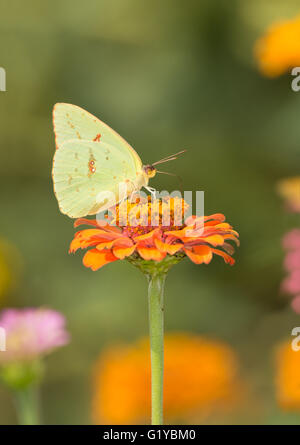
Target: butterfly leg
{"x": 152, "y": 191}
{"x": 131, "y": 195}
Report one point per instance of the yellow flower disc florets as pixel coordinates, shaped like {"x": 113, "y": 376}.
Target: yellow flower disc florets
{"x": 145, "y": 214}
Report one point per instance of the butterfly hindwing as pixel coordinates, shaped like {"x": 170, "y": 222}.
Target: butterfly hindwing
{"x": 85, "y": 171}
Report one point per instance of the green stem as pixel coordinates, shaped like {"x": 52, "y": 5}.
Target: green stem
{"x": 156, "y": 326}
{"x": 27, "y": 405}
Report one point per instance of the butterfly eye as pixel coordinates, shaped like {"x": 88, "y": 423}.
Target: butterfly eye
{"x": 150, "y": 171}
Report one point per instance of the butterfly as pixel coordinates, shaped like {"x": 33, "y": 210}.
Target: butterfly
{"x": 93, "y": 166}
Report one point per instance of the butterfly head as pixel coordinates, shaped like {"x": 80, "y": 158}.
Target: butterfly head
{"x": 149, "y": 170}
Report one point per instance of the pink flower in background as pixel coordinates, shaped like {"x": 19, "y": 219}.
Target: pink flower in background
{"x": 292, "y": 260}
{"x": 31, "y": 333}
{"x": 291, "y": 284}
{"x": 291, "y": 240}
{"x": 289, "y": 190}
{"x": 296, "y": 304}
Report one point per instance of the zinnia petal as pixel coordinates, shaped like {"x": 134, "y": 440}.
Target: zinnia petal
{"x": 95, "y": 258}
{"x": 192, "y": 220}
{"x": 146, "y": 236}
{"x": 79, "y": 243}
{"x": 101, "y": 224}
{"x": 123, "y": 252}
{"x": 121, "y": 242}
{"x": 86, "y": 221}
{"x": 171, "y": 249}
{"x": 214, "y": 240}
{"x": 233, "y": 238}
{"x": 228, "y": 248}
{"x": 199, "y": 254}
{"x": 227, "y": 258}
{"x": 150, "y": 253}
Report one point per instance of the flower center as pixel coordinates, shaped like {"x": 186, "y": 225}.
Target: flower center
{"x": 144, "y": 215}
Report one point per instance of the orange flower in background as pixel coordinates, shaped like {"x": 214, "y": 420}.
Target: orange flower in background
{"x": 288, "y": 377}
{"x": 121, "y": 237}
{"x": 289, "y": 190}
{"x": 200, "y": 375}
{"x": 279, "y": 49}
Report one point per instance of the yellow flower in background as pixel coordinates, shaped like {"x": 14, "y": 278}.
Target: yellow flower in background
{"x": 279, "y": 49}
{"x": 200, "y": 375}
{"x": 288, "y": 377}
{"x": 289, "y": 190}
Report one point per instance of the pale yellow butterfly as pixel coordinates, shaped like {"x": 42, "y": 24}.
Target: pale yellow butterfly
{"x": 93, "y": 166}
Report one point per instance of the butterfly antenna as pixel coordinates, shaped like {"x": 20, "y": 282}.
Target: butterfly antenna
{"x": 169, "y": 158}
{"x": 172, "y": 174}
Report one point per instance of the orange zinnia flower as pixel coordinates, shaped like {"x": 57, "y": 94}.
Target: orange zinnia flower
{"x": 121, "y": 238}
{"x": 279, "y": 49}
{"x": 206, "y": 369}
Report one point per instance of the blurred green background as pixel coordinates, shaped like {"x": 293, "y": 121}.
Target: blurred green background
{"x": 166, "y": 75}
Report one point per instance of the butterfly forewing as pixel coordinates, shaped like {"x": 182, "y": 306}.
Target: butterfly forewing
{"x": 73, "y": 122}
{"x": 91, "y": 161}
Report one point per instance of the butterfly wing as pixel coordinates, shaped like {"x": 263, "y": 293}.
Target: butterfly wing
{"x": 87, "y": 173}
{"x": 73, "y": 122}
